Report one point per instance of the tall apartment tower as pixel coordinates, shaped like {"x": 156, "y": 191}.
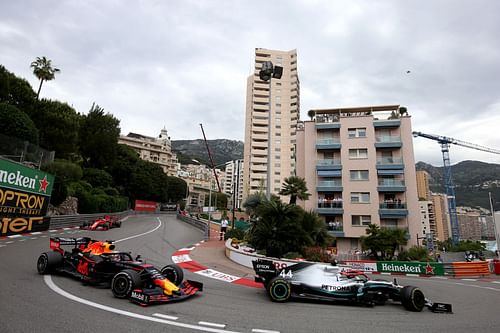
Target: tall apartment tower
{"x": 233, "y": 182}
{"x": 423, "y": 189}
{"x": 272, "y": 112}
{"x": 359, "y": 167}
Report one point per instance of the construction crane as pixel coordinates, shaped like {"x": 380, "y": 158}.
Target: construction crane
{"x": 445, "y": 143}
{"x": 211, "y": 160}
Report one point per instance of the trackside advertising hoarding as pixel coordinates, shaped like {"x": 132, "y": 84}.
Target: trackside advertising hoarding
{"x": 145, "y": 206}
{"x": 24, "y": 198}
{"x": 407, "y": 267}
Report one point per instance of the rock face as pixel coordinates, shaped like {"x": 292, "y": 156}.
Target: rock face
{"x": 222, "y": 150}
{"x": 68, "y": 207}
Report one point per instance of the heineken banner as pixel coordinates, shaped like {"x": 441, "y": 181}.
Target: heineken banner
{"x": 409, "y": 267}
{"x": 24, "y": 198}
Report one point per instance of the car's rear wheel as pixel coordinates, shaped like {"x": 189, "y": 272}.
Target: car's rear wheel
{"x": 48, "y": 261}
{"x": 279, "y": 289}
{"x": 125, "y": 282}
{"x": 118, "y": 224}
{"x": 412, "y": 298}
{"x": 173, "y": 273}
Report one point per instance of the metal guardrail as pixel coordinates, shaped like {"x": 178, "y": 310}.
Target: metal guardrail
{"x": 197, "y": 223}
{"x": 68, "y": 221}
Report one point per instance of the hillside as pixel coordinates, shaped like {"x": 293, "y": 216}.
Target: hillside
{"x": 473, "y": 181}
{"x": 222, "y": 150}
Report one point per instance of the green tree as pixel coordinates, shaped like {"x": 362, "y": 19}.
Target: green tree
{"x": 97, "y": 177}
{"x": 58, "y": 124}
{"x": 17, "y": 124}
{"x": 98, "y": 138}
{"x": 383, "y": 242}
{"x": 43, "y": 70}
{"x": 16, "y": 91}
{"x": 253, "y": 201}
{"x": 315, "y": 229}
{"x": 65, "y": 173}
{"x": 176, "y": 189}
{"x": 295, "y": 187}
{"x": 276, "y": 230}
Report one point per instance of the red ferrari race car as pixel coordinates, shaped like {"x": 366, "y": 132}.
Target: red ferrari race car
{"x": 105, "y": 223}
{"x": 96, "y": 262}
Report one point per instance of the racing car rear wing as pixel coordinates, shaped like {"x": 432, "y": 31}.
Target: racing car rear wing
{"x": 56, "y": 242}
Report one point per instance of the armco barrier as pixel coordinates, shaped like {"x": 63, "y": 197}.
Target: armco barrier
{"x": 198, "y": 223}
{"x": 68, "y": 221}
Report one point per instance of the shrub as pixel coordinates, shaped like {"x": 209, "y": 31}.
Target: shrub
{"x": 235, "y": 234}
{"x": 415, "y": 253}
{"x": 316, "y": 253}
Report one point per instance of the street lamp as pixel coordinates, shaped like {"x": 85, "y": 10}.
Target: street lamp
{"x": 267, "y": 72}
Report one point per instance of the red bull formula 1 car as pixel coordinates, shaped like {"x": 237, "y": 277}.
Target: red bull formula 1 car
{"x": 105, "y": 223}
{"x": 332, "y": 283}
{"x": 97, "y": 262}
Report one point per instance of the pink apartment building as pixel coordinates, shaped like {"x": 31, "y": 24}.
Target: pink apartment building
{"x": 360, "y": 169}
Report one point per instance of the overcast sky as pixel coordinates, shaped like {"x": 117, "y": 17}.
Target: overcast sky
{"x": 179, "y": 63}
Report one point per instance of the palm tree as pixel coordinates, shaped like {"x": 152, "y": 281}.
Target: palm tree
{"x": 295, "y": 187}
{"x": 43, "y": 70}
{"x": 277, "y": 231}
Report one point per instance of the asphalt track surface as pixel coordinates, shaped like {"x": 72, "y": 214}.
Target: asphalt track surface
{"x": 30, "y": 302}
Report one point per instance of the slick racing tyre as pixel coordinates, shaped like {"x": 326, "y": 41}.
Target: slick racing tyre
{"x": 173, "y": 273}
{"x": 124, "y": 282}
{"x": 48, "y": 261}
{"x": 279, "y": 289}
{"x": 412, "y": 298}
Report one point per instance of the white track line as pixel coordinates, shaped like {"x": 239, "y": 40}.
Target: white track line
{"x": 207, "y": 323}
{"x": 165, "y": 316}
{"x": 55, "y": 288}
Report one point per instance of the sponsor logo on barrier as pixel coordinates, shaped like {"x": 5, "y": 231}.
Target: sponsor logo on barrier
{"x": 411, "y": 267}
{"x": 21, "y": 225}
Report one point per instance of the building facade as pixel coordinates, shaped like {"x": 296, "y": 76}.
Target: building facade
{"x": 272, "y": 113}
{"x": 157, "y": 150}
{"x": 233, "y": 182}
{"x": 359, "y": 167}
{"x": 441, "y": 226}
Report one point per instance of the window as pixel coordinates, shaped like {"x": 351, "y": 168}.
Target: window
{"x": 361, "y": 220}
{"x": 358, "y": 153}
{"x": 359, "y": 175}
{"x": 360, "y": 197}
{"x": 357, "y": 132}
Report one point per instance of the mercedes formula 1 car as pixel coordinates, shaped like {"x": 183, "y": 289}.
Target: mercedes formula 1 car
{"x": 96, "y": 262}
{"x": 326, "y": 282}
{"x": 105, "y": 223}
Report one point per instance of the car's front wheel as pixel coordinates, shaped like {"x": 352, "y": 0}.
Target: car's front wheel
{"x": 124, "y": 282}
{"x": 48, "y": 261}
{"x": 279, "y": 289}
{"x": 173, "y": 273}
{"x": 412, "y": 298}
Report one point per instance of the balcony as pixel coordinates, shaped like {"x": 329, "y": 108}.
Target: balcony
{"x": 329, "y": 164}
{"x": 329, "y": 186}
{"x": 387, "y": 123}
{"x": 391, "y": 185}
{"x": 330, "y": 143}
{"x": 387, "y": 163}
{"x": 388, "y": 141}
{"x": 330, "y": 207}
{"x": 392, "y": 210}
{"x": 336, "y": 229}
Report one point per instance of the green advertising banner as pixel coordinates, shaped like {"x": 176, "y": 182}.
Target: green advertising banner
{"x": 24, "y": 198}
{"x": 408, "y": 267}
{"x": 16, "y": 176}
